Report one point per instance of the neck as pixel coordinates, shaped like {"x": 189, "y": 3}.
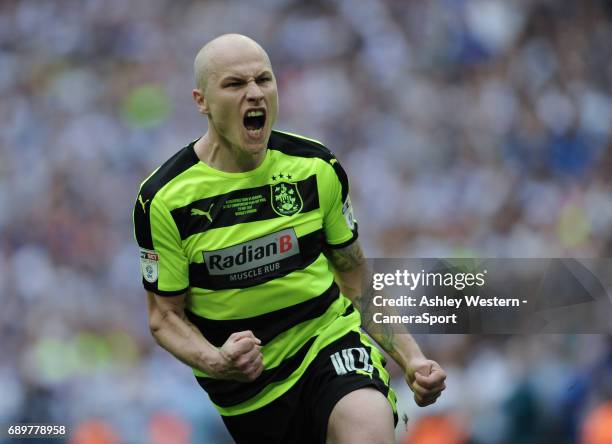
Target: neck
{"x": 226, "y": 157}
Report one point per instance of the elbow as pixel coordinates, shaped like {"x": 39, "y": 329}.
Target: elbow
{"x": 154, "y": 326}
{"x": 155, "y": 329}
{"x": 157, "y": 320}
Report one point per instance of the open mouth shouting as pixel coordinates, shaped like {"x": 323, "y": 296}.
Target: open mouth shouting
{"x": 254, "y": 122}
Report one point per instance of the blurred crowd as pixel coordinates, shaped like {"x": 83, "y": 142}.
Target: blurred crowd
{"x": 485, "y": 124}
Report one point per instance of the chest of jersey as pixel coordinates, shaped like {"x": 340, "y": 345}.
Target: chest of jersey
{"x": 257, "y": 229}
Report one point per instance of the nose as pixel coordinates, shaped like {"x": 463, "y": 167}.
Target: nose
{"x": 254, "y": 93}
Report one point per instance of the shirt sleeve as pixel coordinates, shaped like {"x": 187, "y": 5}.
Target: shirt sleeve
{"x": 163, "y": 263}
{"x": 339, "y": 223}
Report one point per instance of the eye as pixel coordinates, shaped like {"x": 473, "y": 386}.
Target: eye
{"x": 233, "y": 84}
{"x": 264, "y": 79}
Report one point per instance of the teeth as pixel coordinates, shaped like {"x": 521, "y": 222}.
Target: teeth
{"x": 255, "y": 113}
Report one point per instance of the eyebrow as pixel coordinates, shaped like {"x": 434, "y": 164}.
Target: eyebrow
{"x": 232, "y": 79}
{"x": 235, "y": 77}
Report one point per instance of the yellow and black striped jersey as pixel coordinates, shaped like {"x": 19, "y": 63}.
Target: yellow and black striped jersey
{"x": 247, "y": 248}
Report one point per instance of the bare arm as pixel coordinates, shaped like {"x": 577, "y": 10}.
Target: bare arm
{"x": 239, "y": 358}
{"x": 425, "y": 377}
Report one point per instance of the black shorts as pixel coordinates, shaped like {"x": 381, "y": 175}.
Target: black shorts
{"x": 301, "y": 415}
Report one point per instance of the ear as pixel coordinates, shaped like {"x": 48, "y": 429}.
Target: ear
{"x": 201, "y": 102}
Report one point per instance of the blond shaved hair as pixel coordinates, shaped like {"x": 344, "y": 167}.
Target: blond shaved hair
{"x": 204, "y": 63}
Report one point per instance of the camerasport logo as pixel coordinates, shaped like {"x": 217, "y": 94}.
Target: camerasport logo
{"x": 258, "y": 256}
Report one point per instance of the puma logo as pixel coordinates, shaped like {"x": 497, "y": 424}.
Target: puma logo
{"x": 142, "y": 203}
{"x": 198, "y": 212}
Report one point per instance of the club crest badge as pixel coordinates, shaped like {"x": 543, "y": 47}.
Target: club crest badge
{"x": 285, "y": 198}
{"x": 347, "y": 211}
{"x": 148, "y": 264}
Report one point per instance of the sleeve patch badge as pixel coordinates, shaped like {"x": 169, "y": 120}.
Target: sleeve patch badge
{"x": 347, "y": 211}
{"x": 149, "y": 260}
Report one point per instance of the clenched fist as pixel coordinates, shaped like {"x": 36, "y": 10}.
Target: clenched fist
{"x": 426, "y": 380}
{"x": 239, "y": 358}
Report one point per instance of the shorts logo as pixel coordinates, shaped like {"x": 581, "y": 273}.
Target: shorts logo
{"x": 149, "y": 260}
{"x": 344, "y": 361}
{"x": 285, "y": 198}
{"x": 260, "y": 252}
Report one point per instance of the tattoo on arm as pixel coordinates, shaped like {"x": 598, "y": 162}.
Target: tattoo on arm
{"x": 348, "y": 258}
{"x": 382, "y": 333}
{"x": 350, "y": 262}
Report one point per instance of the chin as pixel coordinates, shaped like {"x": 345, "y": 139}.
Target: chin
{"x": 256, "y": 146}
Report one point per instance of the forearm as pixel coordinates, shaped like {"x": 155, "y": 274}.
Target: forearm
{"x": 396, "y": 341}
{"x": 356, "y": 284}
{"x": 183, "y": 340}
{"x": 355, "y": 280}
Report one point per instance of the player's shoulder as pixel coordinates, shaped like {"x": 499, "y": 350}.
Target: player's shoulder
{"x": 296, "y": 145}
{"x": 180, "y": 162}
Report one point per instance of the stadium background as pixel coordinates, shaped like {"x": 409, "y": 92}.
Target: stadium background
{"x": 468, "y": 128}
